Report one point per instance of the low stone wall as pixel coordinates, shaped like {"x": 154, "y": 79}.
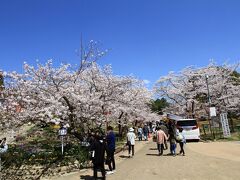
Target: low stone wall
{"x": 28, "y": 172}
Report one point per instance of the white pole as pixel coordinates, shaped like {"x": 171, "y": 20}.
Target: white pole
{"x": 62, "y": 144}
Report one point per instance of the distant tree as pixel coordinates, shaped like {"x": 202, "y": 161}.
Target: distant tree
{"x": 158, "y": 105}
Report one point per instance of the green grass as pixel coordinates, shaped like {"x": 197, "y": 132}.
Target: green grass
{"x": 219, "y": 135}
{"x": 235, "y": 136}
{"x": 42, "y": 146}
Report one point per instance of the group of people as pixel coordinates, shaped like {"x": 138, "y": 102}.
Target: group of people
{"x": 143, "y": 132}
{"x": 163, "y": 133}
{"x": 101, "y": 144}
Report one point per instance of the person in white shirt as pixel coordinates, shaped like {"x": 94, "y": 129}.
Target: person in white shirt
{"x": 3, "y": 145}
{"x": 131, "y": 141}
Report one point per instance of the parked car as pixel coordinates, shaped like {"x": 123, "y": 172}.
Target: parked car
{"x": 190, "y": 128}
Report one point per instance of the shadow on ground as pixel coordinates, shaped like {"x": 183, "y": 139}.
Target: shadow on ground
{"x": 169, "y": 154}
{"x": 124, "y": 156}
{"x": 87, "y": 177}
{"x": 152, "y": 154}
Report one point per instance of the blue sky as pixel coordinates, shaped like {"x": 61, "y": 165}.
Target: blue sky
{"x": 147, "y": 38}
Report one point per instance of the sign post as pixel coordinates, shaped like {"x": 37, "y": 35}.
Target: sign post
{"x": 225, "y": 125}
{"x": 62, "y": 133}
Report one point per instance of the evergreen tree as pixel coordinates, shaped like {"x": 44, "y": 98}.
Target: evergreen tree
{"x": 158, "y": 105}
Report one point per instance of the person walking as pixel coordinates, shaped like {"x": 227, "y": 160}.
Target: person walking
{"x": 173, "y": 144}
{"x": 131, "y": 141}
{"x": 98, "y": 149}
{"x": 110, "y": 139}
{"x": 182, "y": 141}
{"x": 140, "y": 133}
{"x": 161, "y": 136}
{"x": 145, "y": 132}
{"x": 165, "y": 130}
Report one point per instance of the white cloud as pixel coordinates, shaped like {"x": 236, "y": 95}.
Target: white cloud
{"x": 146, "y": 81}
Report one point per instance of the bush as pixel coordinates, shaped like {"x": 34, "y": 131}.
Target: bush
{"x": 16, "y": 156}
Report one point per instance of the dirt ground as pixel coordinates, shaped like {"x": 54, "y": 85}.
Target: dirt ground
{"x": 203, "y": 161}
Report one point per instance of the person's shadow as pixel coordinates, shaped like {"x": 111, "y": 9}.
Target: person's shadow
{"x": 123, "y": 156}
{"x": 87, "y": 177}
{"x": 152, "y": 154}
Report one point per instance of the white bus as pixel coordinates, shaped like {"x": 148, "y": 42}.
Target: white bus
{"x": 190, "y": 128}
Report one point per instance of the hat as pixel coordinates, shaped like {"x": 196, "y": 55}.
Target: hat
{"x": 131, "y": 129}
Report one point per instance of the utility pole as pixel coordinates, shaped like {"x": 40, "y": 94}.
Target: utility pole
{"x": 209, "y": 104}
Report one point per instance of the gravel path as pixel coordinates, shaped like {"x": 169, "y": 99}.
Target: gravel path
{"x": 147, "y": 165}
{"x": 203, "y": 161}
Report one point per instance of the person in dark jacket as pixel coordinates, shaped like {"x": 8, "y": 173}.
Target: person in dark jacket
{"x": 98, "y": 148}
{"x": 110, "y": 139}
{"x": 145, "y": 132}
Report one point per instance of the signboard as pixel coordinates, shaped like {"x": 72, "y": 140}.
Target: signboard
{"x": 225, "y": 125}
{"x": 215, "y": 122}
{"x": 213, "y": 111}
{"x": 62, "y": 132}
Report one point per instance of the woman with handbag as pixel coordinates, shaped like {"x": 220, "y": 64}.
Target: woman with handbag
{"x": 181, "y": 140}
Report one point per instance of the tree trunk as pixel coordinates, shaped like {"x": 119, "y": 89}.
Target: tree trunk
{"x": 231, "y": 124}
{"x": 193, "y": 109}
{"x": 120, "y": 126}
{"x": 120, "y": 129}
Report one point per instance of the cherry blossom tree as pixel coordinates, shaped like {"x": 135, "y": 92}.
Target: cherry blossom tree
{"x": 84, "y": 97}
{"x": 187, "y": 90}
{"x": 120, "y": 97}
